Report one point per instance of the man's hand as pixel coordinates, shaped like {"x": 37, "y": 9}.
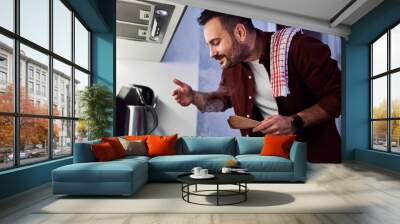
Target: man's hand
{"x": 183, "y": 94}
{"x": 276, "y": 125}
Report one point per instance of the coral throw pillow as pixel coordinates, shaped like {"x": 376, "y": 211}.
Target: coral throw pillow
{"x": 136, "y": 137}
{"x": 103, "y": 152}
{"x": 116, "y": 145}
{"x": 277, "y": 145}
{"x": 161, "y": 145}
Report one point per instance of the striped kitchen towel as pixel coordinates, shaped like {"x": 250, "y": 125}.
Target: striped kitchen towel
{"x": 280, "y": 44}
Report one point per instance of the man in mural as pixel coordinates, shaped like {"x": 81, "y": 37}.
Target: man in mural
{"x": 285, "y": 79}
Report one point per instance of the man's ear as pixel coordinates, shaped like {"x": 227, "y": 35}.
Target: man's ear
{"x": 240, "y": 32}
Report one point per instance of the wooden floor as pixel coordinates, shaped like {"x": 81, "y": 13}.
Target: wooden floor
{"x": 354, "y": 182}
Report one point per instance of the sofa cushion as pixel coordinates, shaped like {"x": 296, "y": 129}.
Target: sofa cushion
{"x": 257, "y": 163}
{"x": 135, "y": 137}
{"x": 185, "y": 163}
{"x": 112, "y": 171}
{"x": 277, "y": 145}
{"x": 116, "y": 145}
{"x": 83, "y": 152}
{"x": 206, "y": 145}
{"x": 249, "y": 145}
{"x": 134, "y": 147}
{"x": 133, "y": 158}
{"x": 161, "y": 145}
{"x": 103, "y": 152}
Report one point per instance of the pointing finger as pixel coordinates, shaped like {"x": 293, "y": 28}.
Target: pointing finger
{"x": 178, "y": 82}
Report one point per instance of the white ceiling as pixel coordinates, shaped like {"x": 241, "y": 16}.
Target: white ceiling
{"x": 324, "y": 9}
{"x": 316, "y": 15}
{"x": 313, "y": 15}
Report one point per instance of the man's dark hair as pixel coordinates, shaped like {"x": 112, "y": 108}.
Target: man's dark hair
{"x": 229, "y": 22}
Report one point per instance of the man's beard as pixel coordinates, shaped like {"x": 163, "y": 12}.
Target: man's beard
{"x": 238, "y": 54}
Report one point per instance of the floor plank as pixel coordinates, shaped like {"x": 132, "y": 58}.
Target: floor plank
{"x": 377, "y": 190}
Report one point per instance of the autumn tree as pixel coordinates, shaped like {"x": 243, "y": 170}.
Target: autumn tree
{"x": 380, "y": 127}
{"x": 33, "y": 131}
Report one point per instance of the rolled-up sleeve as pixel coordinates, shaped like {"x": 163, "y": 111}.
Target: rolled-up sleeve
{"x": 215, "y": 101}
{"x": 320, "y": 73}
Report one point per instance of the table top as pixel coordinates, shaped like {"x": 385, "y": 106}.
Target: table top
{"x": 220, "y": 178}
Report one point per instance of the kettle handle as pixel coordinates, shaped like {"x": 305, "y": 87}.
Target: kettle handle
{"x": 155, "y": 117}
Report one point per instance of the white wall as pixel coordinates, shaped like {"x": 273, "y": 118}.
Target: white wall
{"x": 172, "y": 117}
{"x": 181, "y": 62}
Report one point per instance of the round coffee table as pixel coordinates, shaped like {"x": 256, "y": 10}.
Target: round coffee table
{"x": 238, "y": 179}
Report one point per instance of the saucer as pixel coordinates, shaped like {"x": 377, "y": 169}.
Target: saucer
{"x": 208, "y": 176}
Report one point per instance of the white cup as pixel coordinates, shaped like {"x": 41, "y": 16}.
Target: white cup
{"x": 196, "y": 170}
{"x": 203, "y": 172}
{"x": 226, "y": 170}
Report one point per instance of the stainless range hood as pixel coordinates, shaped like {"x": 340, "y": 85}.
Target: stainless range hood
{"x": 143, "y": 20}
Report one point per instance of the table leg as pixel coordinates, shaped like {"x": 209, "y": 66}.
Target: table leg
{"x": 245, "y": 191}
{"x": 188, "y": 190}
{"x": 217, "y": 194}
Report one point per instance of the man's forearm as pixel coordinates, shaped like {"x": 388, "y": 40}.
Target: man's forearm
{"x": 314, "y": 115}
{"x": 205, "y": 103}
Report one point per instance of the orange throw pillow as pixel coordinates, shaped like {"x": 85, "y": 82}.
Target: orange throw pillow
{"x": 161, "y": 145}
{"x": 277, "y": 145}
{"x": 136, "y": 137}
{"x": 116, "y": 145}
{"x": 103, "y": 152}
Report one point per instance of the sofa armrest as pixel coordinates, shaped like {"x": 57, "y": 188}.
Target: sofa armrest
{"x": 298, "y": 155}
{"x": 83, "y": 152}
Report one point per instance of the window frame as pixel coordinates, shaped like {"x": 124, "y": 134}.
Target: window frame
{"x": 388, "y": 74}
{"x": 16, "y": 114}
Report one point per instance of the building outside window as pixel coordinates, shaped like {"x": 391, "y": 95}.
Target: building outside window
{"x": 44, "y": 77}
{"x": 3, "y": 61}
{"x": 37, "y": 75}
{"x": 30, "y": 87}
{"x": 3, "y": 78}
{"x": 38, "y": 89}
{"x": 30, "y": 72}
{"x": 43, "y": 90}
{"x": 3, "y": 72}
{"x": 385, "y": 95}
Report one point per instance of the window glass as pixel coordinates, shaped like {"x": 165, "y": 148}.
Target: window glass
{"x": 81, "y": 81}
{"x": 6, "y": 142}
{"x": 7, "y": 14}
{"x": 395, "y": 47}
{"x": 379, "y": 56}
{"x": 379, "y": 135}
{"x": 395, "y": 95}
{"x": 6, "y": 74}
{"x": 81, "y": 45}
{"x": 395, "y": 136}
{"x": 62, "y": 138}
{"x": 35, "y": 79}
{"x": 35, "y": 21}
{"x": 62, "y": 29}
{"x": 379, "y": 98}
{"x": 81, "y": 131}
{"x": 33, "y": 140}
{"x": 62, "y": 91}
{"x": 39, "y": 62}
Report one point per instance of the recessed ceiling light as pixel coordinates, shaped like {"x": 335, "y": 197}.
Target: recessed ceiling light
{"x": 161, "y": 12}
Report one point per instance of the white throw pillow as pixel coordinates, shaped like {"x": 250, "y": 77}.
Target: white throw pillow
{"x": 136, "y": 147}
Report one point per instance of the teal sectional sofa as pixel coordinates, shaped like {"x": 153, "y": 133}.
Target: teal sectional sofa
{"x": 125, "y": 176}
